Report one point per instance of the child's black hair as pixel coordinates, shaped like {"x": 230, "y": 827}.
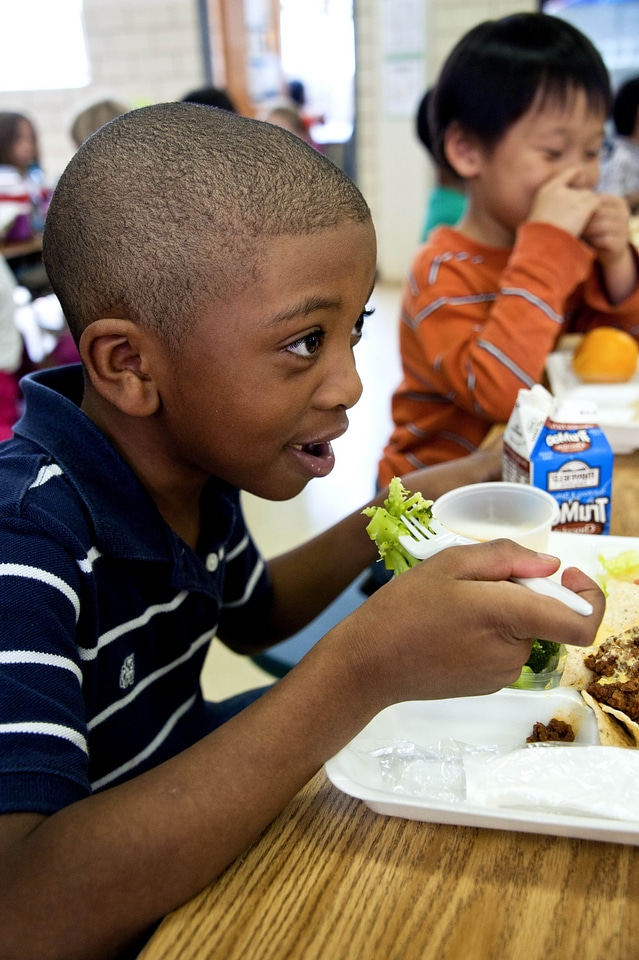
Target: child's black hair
{"x": 624, "y": 111}
{"x": 422, "y": 122}
{"x": 495, "y": 72}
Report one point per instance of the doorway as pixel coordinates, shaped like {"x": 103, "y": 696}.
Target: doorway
{"x": 255, "y": 48}
{"x": 317, "y": 39}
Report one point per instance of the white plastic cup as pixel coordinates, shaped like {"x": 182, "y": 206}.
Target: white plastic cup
{"x": 487, "y": 511}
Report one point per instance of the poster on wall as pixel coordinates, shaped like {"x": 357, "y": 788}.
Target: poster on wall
{"x": 403, "y": 31}
{"x": 263, "y": 65}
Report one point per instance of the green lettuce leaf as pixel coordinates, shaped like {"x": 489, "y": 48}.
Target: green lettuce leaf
{"x": 625, "y": 566}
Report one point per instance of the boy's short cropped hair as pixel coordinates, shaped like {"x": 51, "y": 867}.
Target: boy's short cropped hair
{"x": 170, "y": 208}
{"x": 496, "y": 71}
{"x": 625, "y": 107}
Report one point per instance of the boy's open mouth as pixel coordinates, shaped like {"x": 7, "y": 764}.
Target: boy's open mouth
{"x": 317, "y": 458}
{"x": 313, "y": 449}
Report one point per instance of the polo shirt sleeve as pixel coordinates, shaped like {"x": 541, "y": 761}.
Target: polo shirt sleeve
{"x": 43, "y": 732}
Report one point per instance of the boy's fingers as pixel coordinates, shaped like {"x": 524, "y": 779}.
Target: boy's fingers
{"x": 502, "y": 559}
{"x": 567, "y": 177}
{"x": 499, "y": 560}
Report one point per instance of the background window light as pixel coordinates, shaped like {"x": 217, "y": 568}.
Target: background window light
{"x": 42, "y": 45}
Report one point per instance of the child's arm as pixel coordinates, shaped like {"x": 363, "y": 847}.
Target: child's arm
{"x": 84, "y": 881}
{"x": 602, "y": 220}
{"x": 607, "y": 232}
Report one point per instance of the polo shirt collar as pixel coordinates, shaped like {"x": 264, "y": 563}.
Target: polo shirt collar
{"x": 125, "y": 517}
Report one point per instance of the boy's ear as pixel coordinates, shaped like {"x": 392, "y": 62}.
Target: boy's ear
{"x": 462, "y": 151}
{"x": 116, "y": 357}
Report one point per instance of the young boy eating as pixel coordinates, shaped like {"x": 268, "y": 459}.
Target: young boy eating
{"x": 518, "y": 113}
{"x": 215, "y": 273}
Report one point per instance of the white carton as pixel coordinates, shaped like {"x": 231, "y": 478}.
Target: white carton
{"x": 557, "y": 445}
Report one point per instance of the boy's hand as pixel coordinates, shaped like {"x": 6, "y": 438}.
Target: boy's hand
{"x": 563, "y": 203}
{"x": 608, "y": 229}
{"x": 608, "y": 233}
{"x": 453, "y": 626}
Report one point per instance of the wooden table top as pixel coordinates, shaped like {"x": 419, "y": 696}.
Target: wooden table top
{"x": 624, "y": 521}
{"x": 331, "y": 880}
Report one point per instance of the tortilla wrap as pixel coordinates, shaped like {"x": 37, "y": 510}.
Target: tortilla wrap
{"x": 621, "y": 614}
{"x": 612, "y": 732}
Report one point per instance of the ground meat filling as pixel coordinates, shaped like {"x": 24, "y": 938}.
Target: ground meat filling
{"x": 554, "y": 731}
{"x": 616, "y": 663}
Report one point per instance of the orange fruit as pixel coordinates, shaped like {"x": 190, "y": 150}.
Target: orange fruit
{"x": 606, "y": 355}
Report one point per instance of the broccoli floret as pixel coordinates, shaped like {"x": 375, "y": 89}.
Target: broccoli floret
{"x": 526, "y": 679}
{"x": 543, "y": 656}
{"x": 386, "y": 525}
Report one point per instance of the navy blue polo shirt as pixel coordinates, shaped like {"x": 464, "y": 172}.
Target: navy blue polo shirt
{"x": 106, "y": 614}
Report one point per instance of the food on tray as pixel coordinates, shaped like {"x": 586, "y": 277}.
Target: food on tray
{"x": 615, "y": 664}
{"x": 543, "y": 660}
{"x": 607, "y": 674}
{"x": 606, "y": 355}
{"x": 612, "y": 732}
{"x": 622, "y": 608}
{"x": 624, "y": 567}
{"x": 385, "y": 526}
{"x": 555, "y": 731}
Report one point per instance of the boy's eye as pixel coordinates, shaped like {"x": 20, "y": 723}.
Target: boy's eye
{"x": 308, "y": 345}
{"x": 359, "y": 325}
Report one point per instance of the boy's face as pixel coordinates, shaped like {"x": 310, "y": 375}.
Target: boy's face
{"x": 263, "y": 384}
{"x": 550, "y": 138}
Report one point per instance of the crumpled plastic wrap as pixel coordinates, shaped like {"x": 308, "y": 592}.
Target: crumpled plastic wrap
{"x": 566, "y": 779}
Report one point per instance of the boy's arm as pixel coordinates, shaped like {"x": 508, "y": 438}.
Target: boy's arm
{"x": 83, "y": 882}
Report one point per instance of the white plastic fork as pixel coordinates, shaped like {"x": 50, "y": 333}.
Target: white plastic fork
{"x": 422, "y": 542}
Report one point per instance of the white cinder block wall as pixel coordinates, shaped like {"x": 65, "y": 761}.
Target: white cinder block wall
{"x": 141, "y": 51}
{"x": 149, "y": 51}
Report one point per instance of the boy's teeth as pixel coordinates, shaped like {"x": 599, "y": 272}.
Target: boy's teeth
{"x": 313, "y": 448}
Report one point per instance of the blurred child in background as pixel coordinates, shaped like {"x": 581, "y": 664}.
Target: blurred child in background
{"x": 18, "y": 143}
{"x": 289, "y": 118}
{"x": 518, "y": 113}
{"x": 211, "y": 97}
{"x": 620, "y": 170}
{"x": 21, "y": 178}
{"x": 94, "y": 117}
